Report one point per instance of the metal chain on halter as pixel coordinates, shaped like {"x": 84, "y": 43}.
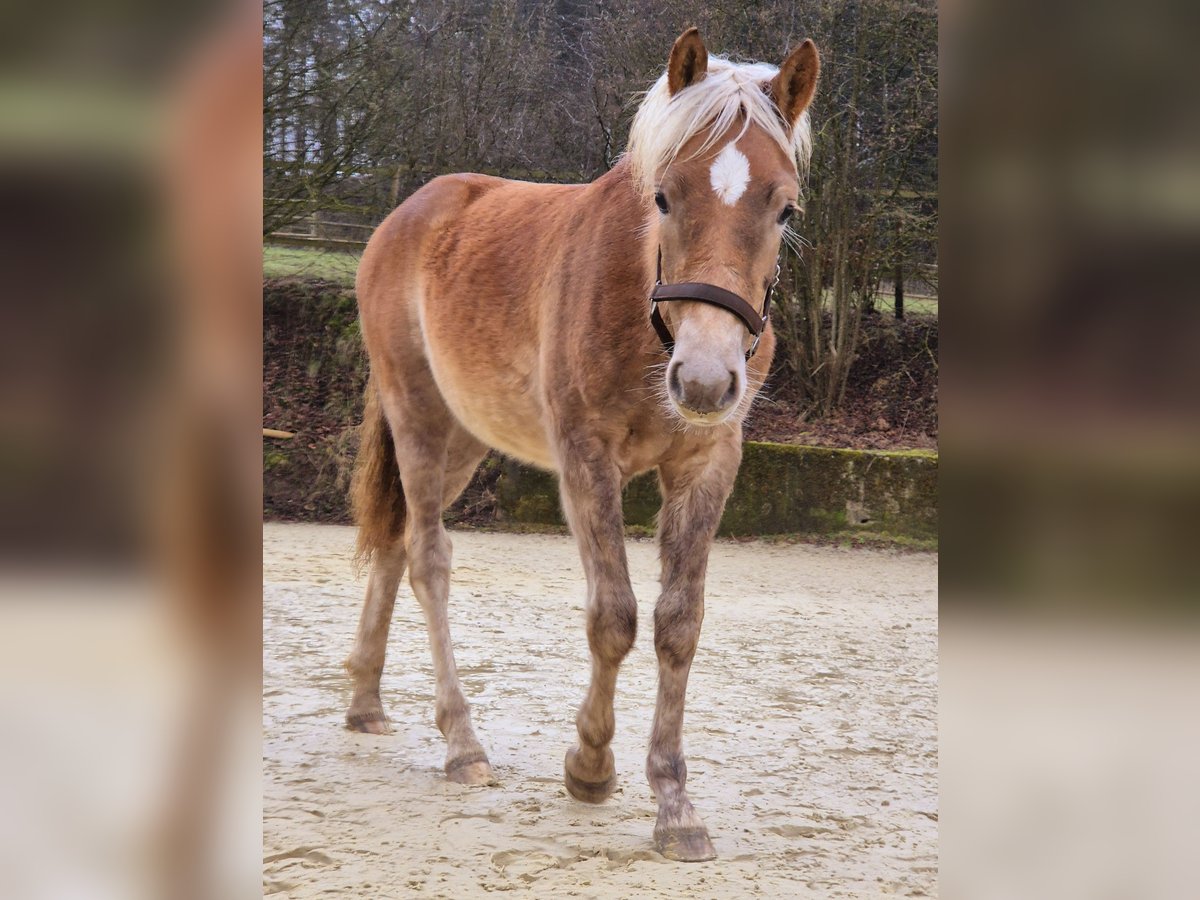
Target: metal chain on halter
{"x": 766, "y": 312}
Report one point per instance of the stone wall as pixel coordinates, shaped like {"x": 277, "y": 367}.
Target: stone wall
{"x": 781, "y": 489}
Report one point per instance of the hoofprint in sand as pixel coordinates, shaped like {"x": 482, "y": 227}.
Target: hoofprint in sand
{"x": 811, "y": 728}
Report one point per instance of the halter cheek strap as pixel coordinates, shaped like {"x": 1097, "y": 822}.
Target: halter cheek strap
{"x": 712, "y": 295}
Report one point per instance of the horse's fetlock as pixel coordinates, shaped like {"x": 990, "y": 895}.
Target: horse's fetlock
{"x": 447, "y": 712}
{"x": 670, "y": 767}
{"x": 358, "y": 667}
{"x": 597, "y": 732}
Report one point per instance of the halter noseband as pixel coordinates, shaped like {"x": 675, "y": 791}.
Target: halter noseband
{"x": 712, "y": 295}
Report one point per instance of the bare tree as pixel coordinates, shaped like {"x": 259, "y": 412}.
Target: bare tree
{"x": 872, "y": 189}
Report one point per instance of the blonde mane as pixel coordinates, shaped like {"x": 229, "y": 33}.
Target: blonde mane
{"x": 664, "y": 123}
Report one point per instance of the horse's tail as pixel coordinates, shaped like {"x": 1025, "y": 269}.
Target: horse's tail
{"x": 376, "y": 494}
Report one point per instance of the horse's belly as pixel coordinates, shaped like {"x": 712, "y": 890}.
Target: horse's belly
{"x": 501, "y": 408}
{"x": 524, "y": 441}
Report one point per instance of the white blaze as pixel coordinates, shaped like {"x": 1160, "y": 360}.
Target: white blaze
{"x": 730, "y": 174}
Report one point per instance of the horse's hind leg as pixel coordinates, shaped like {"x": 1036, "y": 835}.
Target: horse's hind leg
{"x": 439, "y": 461}
{"x": 379, "y": 510}
{"x": 436, "y": 462}
{"x": 365, "y": 664}
{"x": 370, "y": 645}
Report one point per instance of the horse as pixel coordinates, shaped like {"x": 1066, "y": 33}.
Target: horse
{"x": 597, "y": 331}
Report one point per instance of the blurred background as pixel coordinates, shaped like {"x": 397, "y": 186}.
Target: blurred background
{"x": 1070, "y": 172}
{"x": 146, "y": 150}
{"x": 130, "y": 652}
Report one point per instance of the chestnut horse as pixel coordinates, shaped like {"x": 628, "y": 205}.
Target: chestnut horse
{"x": 598, "y": 331}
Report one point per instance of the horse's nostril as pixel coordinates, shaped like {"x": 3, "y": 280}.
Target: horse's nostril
{"x": 673, "y": 384}
{"x": 732, "y": 392}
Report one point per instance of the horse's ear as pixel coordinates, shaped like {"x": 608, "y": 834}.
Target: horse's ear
{"x": 793, "y": 88}
{"x": 688, "y": 63}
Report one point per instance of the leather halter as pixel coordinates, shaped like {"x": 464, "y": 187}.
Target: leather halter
{"x": 712, "y": 295}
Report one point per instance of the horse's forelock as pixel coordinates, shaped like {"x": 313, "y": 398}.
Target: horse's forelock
{"x": 664, "y": 123}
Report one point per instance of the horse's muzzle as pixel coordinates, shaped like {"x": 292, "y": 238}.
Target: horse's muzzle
{"x": 707, "y": 390}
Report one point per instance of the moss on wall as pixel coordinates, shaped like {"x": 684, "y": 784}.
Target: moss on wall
{"x": 784, "y": 488}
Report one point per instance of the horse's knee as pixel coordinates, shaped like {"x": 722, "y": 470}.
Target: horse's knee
{"x": 612, "y": 626}
{"x": 677, "y": 629}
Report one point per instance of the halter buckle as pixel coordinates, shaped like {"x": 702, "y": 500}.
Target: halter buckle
{"x": 754, "y": 346}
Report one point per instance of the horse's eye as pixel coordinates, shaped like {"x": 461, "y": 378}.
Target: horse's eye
{"x": 661, "y": 202}
{"x": 786, "y": 216}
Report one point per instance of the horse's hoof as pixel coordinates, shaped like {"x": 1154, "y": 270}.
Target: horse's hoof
{"x": 589, "y": 791}
{"x": 369, "y": 722}
{"x": 689, "y": 844}
{"x": 471, "y": 768}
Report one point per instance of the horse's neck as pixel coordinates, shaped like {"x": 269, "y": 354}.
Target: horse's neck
{"x": 620, "y": 215}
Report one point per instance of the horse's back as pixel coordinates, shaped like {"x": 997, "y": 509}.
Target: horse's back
{"x": 389, "y": 271}
{"x": 450, "y": 285}
{"x": 458, "y": 230}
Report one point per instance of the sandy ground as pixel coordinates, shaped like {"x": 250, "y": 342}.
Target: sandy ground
{"x": 811, "y": 729}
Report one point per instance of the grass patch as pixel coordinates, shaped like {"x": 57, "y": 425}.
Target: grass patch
{"x": 914, "y": 305}
{"x": 301, "y": 262}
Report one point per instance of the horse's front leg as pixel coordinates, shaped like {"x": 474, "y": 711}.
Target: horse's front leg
{"x": 694, "y": 492}
{"x": 591, "y": 491}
